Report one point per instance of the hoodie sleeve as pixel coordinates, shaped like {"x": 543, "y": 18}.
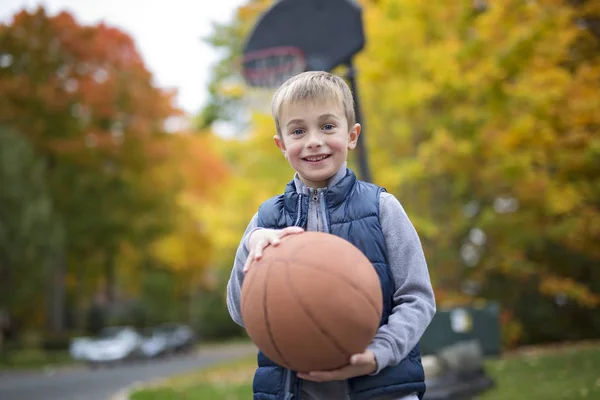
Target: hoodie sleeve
{"x": 234, "y": 286}
{"x": 414, "y": 300}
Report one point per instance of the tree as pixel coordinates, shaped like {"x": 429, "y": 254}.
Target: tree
{"x": 489, "y": 146}
{"x": 484, "y": 124}
{"x": 83, "y": 98}
{"x": 188, "y": 250}
{"x": 227, "y": 100}
{"x": 30, "y": 233}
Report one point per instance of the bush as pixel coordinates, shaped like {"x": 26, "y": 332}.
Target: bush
{"x": 56, "y": 342}
{"x": 212, "y": 320}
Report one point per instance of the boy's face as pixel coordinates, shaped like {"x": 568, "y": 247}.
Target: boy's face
{"x": 315, "y": 139}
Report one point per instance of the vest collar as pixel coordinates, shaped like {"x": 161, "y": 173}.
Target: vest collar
{"x": 340, "y": 186}
{"x": 304, "y": 189}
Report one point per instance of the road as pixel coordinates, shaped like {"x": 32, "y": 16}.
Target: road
{"x": 82, "y": 383}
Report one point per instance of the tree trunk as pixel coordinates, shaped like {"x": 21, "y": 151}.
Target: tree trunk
{"x": 3, "y": 322}
{"x": 56, "y": 303}
{"x": 110, "y": 277}
{"x": 5, "y": 290}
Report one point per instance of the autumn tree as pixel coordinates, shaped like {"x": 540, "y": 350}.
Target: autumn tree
{"x": 30, "y": 235}
{"x": 226, "y": 90}
{"x": 483, "y": 120}
{"x": 82, "y": 96}
{"x": 188, "y": 250}
{"x": 480, "y": 137}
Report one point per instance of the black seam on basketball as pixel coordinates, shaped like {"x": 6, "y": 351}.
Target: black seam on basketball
{"x": 298, "y": 298}
{"x": 246, "y": 292}
{"x": 247, "y": 289}
{"x": 268, "y": 325}
{"x": 352, "y": 285}
{"x": 343, "y": 277}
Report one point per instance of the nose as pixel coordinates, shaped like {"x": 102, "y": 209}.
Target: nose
{"x": 314, "y": 139}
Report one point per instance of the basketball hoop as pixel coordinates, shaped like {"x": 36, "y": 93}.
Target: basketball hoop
{"x": 276, "y": 49}
{"x": 269, "y": 68}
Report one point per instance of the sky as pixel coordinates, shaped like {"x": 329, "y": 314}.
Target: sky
{"x": 168, "y": 35}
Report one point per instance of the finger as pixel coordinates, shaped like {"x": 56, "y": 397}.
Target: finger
{"x": 311, "y": 376}
{"x": 291, "y": 230}
{"x": 248, "y": 262}
{"x": 284, "y": 232}
{"x": 303, "y": 375}
{"x": 324, "y": 376}
{"x": 329, "y": 374}
{"x": 357, "y": 359}
{"x": 258, "y": 249}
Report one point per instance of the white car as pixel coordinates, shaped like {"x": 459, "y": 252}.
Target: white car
{"x": 77, "y": 347}
{"x": 113, "y": 344}
{"x": 155, "y": 343}
{"x": 180, "y": 337}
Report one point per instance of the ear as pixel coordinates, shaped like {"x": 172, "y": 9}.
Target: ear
{"x": 280, "y": 144}
{"x": 354, "y": 134}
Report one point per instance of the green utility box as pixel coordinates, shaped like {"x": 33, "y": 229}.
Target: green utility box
{"x": 464, "y": 323}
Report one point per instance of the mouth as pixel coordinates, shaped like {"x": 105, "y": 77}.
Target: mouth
{"x": 317, "y": 158}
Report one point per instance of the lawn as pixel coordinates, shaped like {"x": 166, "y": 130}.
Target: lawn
{"x": 227, "y": 381}
{"x": 568, "y": 372}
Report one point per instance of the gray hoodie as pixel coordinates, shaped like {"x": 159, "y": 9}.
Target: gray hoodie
{"x": 413, "y": 297}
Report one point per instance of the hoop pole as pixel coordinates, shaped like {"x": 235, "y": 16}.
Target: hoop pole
{"x": 363, "y": 162}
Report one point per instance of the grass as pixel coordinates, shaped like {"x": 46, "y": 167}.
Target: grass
{"x": 34, "y": 359}
{"x": 226, "y": 381}
{"x": 569, "y": 372}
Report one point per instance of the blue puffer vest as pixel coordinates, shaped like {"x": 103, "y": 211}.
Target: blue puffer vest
{"x": 353, "y": 214}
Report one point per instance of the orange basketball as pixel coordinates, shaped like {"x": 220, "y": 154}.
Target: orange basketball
{"x": 311, "y": 302}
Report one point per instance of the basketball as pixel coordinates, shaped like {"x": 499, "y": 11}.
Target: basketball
{"x": 311, "y": 302}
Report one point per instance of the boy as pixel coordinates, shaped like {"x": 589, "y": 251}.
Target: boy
{"x": 315, "y": 121}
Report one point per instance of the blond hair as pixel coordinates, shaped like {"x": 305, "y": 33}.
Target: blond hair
{"x": 313, "y": 85}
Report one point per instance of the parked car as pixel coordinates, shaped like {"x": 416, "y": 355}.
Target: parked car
{"x": 155, "y": 343}
{"x": 111, "y": 345}
{"x": 180, "y": 337}
{"x": 78, "y": 347}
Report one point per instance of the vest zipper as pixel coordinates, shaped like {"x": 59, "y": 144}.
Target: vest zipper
{"x": 298, "y": 212}
{"x": 288, "y": 385}
{"x": 323, "y": 209}
{"x": 315, "y": 198}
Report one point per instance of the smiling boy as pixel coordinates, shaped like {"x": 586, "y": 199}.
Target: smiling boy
{"x": 316, "y": 127}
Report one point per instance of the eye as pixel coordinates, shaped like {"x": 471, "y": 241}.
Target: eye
{"x": 297, "y": 132}
{"x": 328, "y": 127}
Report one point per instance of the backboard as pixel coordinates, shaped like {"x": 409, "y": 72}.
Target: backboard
{"x": 294, "y": 36}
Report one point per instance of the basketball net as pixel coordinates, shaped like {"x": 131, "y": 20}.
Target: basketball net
{"x": 265, "y": 70}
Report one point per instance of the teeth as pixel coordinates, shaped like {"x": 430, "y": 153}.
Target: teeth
{"x": 319, "y": 158}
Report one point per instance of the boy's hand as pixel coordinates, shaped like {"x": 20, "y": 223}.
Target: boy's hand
{"x": 261, "y": 238}
{"x": 360, "y": 364}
